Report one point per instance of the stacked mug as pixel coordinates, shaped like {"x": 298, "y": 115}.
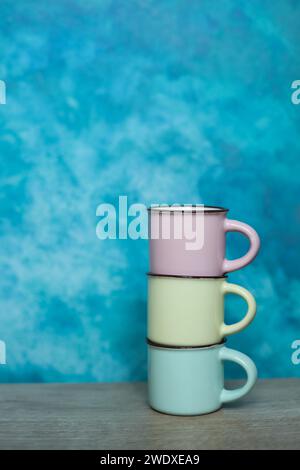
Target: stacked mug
{"x": 186, "y": 289}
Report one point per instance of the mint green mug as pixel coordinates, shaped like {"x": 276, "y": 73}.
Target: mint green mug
{"x": 190, "y": 381}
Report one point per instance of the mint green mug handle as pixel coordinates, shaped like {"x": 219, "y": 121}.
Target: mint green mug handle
{"x": 229, "y": 288}
{"x": 244, "y": 361}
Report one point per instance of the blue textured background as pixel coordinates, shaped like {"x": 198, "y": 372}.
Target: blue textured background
{"x": 163, "y": 101}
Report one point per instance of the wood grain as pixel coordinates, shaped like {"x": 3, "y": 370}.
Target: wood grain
{"x": 116, "y": 416}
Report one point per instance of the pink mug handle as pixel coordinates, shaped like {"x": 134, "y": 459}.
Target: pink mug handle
{"x": 236, "y": 226}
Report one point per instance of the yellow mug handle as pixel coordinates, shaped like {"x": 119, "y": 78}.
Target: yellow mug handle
{"x": 228, "y": 288}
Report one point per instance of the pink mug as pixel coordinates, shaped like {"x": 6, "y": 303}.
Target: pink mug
{"x": 173, "y": 251}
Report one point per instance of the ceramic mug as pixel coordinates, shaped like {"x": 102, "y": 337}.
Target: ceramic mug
{"x": 185, "y": 311}
{"x": 173, "y": 251}
{"x": 190, "y": 381}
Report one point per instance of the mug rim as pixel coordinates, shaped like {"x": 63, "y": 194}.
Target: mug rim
{"x": 186, "y": 276}
{"x": 183, "y": 348}
{"x": 190, "y": 208}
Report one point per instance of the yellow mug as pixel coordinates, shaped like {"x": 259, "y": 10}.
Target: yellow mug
{"x": 189, "y": 311}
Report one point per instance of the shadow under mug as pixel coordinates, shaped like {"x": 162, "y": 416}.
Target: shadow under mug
{"x": 185, "y": 311}
{"x": 190, "y": 381}
{"x": 171, "y": 249}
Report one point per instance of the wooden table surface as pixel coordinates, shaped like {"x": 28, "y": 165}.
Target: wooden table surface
{"x": 116, "y": 416}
